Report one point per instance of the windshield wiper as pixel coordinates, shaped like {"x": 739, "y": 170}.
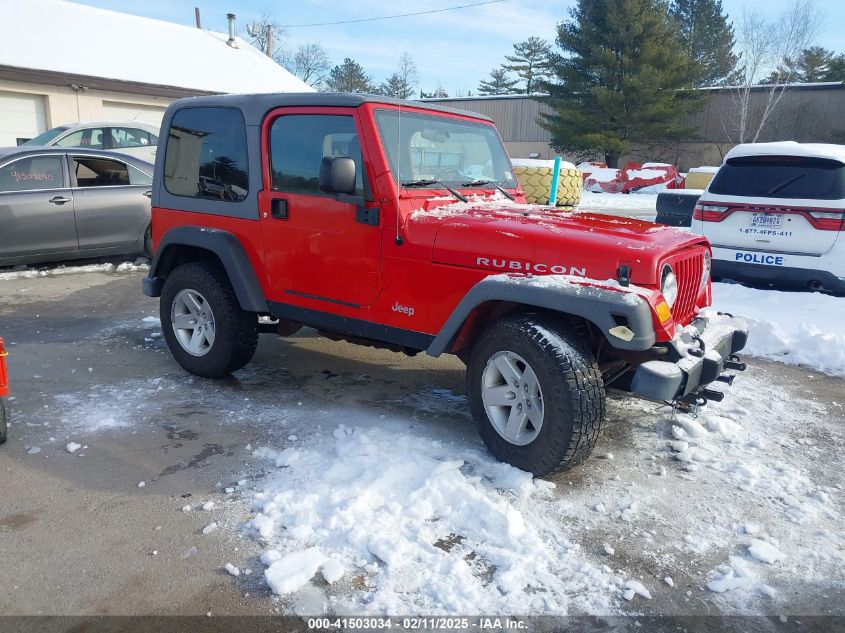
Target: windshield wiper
{"x": 427, "y": 182}
{"x": 482, "y": 183}
{"x": 784, "y": 184}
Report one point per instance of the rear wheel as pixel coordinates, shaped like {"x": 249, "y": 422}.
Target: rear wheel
{"x": 205, "y": 328}
{"x": 536, "y": 394}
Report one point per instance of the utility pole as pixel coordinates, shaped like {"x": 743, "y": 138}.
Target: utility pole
{"x": 197, "y": 16}
{"x": 270, "y": 40}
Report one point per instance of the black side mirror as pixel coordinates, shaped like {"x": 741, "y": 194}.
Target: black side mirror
{"x": 337, "y": 175}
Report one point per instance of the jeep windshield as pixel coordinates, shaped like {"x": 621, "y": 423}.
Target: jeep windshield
{"x": 781, "y": 177}
{"x": 430, "y": 149}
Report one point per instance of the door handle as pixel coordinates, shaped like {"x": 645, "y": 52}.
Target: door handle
{"x": 279, "y": 208}
{"x": 148, "y": 194}
{"x": 58, "y": 200}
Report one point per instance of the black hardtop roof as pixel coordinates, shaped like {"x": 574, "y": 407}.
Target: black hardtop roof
{"x": 255, "y": 106}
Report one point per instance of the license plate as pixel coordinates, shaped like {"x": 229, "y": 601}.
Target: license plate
{"x": 768, "y": 220}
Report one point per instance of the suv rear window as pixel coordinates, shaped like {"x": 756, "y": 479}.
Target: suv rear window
{"x": 781, "y": 177}
{"x": 207, "y": 155}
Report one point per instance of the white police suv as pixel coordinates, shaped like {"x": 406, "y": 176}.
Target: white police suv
{"x": 775, "y": 214}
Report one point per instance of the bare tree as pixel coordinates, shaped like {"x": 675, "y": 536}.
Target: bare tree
{"x": 764, "y": 45}
{"x": 266, "y": 35}
{"x": 310, "y": 63}
{"x": 402, "y": 84}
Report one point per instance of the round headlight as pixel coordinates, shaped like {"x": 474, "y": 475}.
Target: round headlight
{"x": 705, "y": 272}
{"x": 669, "y": 285}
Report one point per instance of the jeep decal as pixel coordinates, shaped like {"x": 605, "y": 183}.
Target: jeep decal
{"x": 528, "y": 267}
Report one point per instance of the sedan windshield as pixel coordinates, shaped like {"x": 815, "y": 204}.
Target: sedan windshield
{"x": 45, "y": 137}
{"x": 443, "y": 150}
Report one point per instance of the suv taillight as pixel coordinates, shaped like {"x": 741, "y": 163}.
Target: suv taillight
{"x": 827, "y": 220}
{"x": 710, "y": 212}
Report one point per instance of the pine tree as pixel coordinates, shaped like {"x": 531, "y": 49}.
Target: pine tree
{"x": 707, "y": 37}
{"x": 401, "y": 84}
{"x": 530, "y": 62}
{"x": 498, "y": 84}
{"x": 349, "y": 77}
{"x": 835, "y": 70}
{"x": 815, "y": 63}
{"x": 620, "y": 79}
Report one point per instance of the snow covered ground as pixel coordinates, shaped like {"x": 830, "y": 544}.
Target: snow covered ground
{"x": 363, "y": 488}
{"x": 633, "y": 205}
{"x": 397, "y": 519}
{"x": 800, "y": 328}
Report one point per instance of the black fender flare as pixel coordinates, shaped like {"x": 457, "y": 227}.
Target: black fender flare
{"x": 228, "y": 249}
{"x": 604, "y": 307}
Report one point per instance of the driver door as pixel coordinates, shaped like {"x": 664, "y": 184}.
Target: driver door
{"x": 318, "y": 246}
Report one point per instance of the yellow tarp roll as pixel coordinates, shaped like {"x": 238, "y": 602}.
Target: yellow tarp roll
{"x": 698, "y": 179}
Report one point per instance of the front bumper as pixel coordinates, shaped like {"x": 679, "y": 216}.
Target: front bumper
{"x": 695, "y": 358}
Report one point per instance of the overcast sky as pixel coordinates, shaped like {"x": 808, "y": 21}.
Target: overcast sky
{"x": 454, "y": 49}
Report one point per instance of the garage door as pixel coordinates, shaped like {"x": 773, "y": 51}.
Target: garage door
{"x": 116, "y": 111}
{"x": 22, "y": 116}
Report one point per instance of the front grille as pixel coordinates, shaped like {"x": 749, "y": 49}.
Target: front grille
{"x": 688, "y": 269}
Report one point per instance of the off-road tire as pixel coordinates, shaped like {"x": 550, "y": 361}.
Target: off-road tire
{"x": 572, "y": 389}
{"x": 675, "y": 209}
{"x": 4, "y": 429}
{"x": 236, "y": 330}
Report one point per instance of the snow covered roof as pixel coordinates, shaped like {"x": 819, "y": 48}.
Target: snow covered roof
{"x": 789, "y": 148}
{"x": 64, "y": 37}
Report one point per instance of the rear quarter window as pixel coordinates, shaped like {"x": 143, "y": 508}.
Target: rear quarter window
{"x": 206, "y": 155}
{"x": 781, "y": 177}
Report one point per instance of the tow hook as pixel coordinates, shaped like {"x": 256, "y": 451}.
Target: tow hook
{"x": 712, "y": 394}
{"x": 688, "y": 404}
{"x": 734, "y": 363}
{"x": 728, "y": 379}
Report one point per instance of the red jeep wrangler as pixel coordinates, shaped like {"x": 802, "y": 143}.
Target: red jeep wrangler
{"x": 400, "y": 225}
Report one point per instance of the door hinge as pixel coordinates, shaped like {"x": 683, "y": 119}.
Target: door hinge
{"x": 365, "y": 215}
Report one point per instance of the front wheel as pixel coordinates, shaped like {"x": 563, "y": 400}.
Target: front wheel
{"x": 536, "y": 394}
{"x": 202, "y": 321}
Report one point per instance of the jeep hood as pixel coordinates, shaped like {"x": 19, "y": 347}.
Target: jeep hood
{"x": 546, "y": 240}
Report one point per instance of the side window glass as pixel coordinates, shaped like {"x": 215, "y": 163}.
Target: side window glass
{"x": 92, "y": 138}
{"x": 99, "y": 172}
{"x": 33, "y": 172}
{"x": 298, "y": 143}
{"x": 129, "y": 137}
{"x": 137, "y": 177}
{"x": 207, "y": 155}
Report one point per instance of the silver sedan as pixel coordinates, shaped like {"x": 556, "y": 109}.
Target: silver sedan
{"x": 65, "y": 203}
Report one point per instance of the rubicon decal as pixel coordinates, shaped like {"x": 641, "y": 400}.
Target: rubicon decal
{"x": 517, "y": 266}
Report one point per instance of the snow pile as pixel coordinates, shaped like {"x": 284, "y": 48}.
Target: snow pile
{"x": 536, "y": 162}
{"x": 414, "y": 525}
{"x": 796, "y": 328}
{"x": 124, "y": 267}
{"x": 642, "y": 206}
